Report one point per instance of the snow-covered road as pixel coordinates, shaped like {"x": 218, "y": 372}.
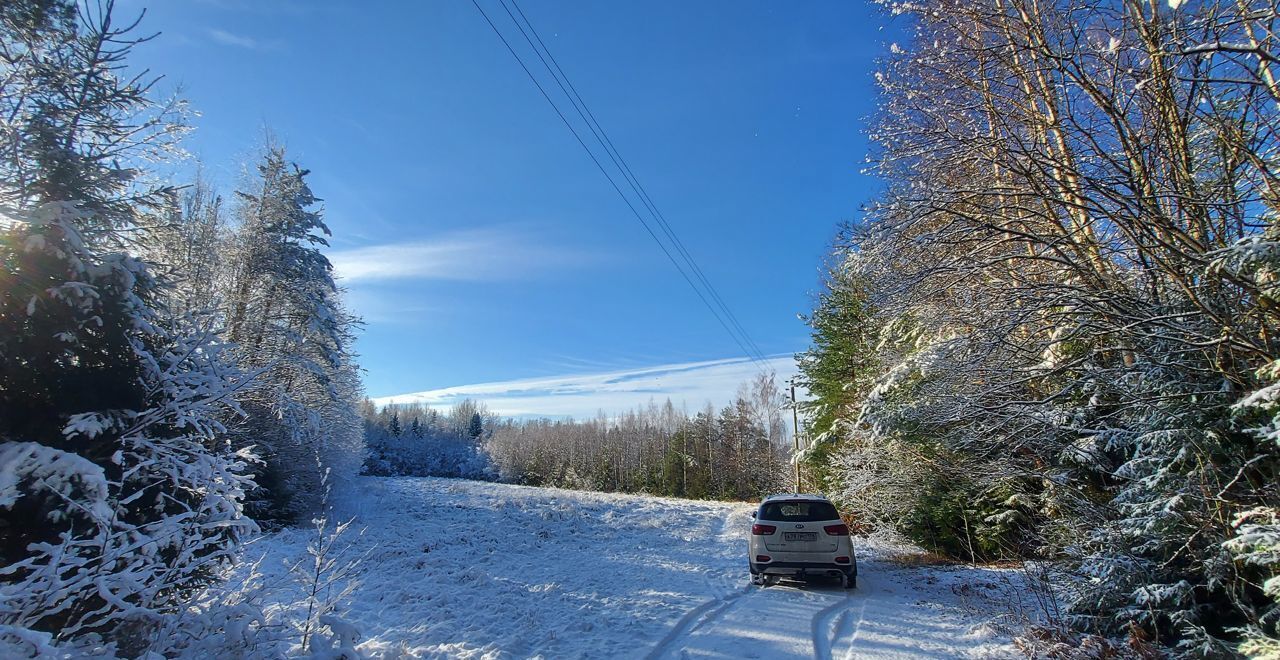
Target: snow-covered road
{"x": 882, "y": 619}
{"x": 475, "y": 570}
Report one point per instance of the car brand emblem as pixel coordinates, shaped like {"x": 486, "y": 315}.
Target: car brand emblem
{"x": 799, "y": 526}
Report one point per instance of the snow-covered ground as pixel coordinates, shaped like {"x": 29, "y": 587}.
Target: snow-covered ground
{"x": 477, "y": 570}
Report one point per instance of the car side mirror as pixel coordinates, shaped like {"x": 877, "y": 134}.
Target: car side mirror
{"x": 753, "y": 515}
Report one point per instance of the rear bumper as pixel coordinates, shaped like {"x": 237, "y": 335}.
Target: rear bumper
{"x": 803, "y": 568}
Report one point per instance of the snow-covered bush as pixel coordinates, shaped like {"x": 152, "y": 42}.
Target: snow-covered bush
{"x": 341, "y": 643}
{"x": 228, "y": 620}
{"x": 430, "y": 453}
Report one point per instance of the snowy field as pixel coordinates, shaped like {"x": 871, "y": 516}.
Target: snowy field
{"x": 476, "y": 570}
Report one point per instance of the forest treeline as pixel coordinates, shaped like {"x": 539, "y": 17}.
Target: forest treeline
{"x": 1055, "y": 333}
{"x": 741, "y": 452}
{"x": 175, "y": 364}
{"x": 413, "y": 440}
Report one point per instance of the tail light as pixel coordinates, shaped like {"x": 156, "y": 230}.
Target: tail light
{"x": 842, "y": 560}
{"x": 836, "y": 530}
{"x": 763, "y": 530}
{"x": 760, "y": 559}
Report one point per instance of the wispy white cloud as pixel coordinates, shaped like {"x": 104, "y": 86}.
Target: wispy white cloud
{"x": 374, "y": 305}
{"x": 230, "y": 39}
{"x": 690, "y": 384}
{"x": 476, "y": 255}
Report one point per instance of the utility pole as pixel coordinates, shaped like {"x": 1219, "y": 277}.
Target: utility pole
{"x": 795, "y": 425}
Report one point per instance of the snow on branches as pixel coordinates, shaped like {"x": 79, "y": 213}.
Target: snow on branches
{"x": 1071, "y": 281}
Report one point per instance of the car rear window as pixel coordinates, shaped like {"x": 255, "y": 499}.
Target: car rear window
{"x": 798, "y": 511}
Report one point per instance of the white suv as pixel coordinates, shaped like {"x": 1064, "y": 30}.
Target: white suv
{"x": 800, "y": 536}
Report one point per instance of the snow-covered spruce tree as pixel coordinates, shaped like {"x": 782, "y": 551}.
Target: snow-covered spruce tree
{"x": 116, "y": 497}
{"x": 285, "y": 315}
{"x": 838, "y": 369}
{"x": 1256, "y": 544}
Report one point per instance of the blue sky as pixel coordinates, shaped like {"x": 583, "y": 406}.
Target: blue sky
{"x": 476, "y": 238}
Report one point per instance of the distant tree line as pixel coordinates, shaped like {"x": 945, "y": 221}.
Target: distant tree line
{"x": 740, "y": 452}
{"x": 175, "y": 367}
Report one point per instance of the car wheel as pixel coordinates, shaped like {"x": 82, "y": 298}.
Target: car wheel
{"x": 851, "y": 581}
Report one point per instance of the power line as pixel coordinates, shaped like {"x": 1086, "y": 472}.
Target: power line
{"x": 756, "y": 357}
{"x": 616, "y": 188}
{"x": 602, "y": 136}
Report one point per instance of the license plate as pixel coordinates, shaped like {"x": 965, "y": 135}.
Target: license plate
{"x": 799, "y": 536}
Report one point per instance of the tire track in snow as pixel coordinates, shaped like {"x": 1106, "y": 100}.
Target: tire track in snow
{"x": 844, "y": 634}
{"x": 695, "y": 619}
{"x": 894, "y": 614}
{"x": 702, "y": 615}
{"x": 827, "y": 624}
{"x": 705, "y": 613}
{"x": 854, "y": 629}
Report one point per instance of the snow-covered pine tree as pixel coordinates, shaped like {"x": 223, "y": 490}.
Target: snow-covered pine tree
{"x": 116, "y": 496}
